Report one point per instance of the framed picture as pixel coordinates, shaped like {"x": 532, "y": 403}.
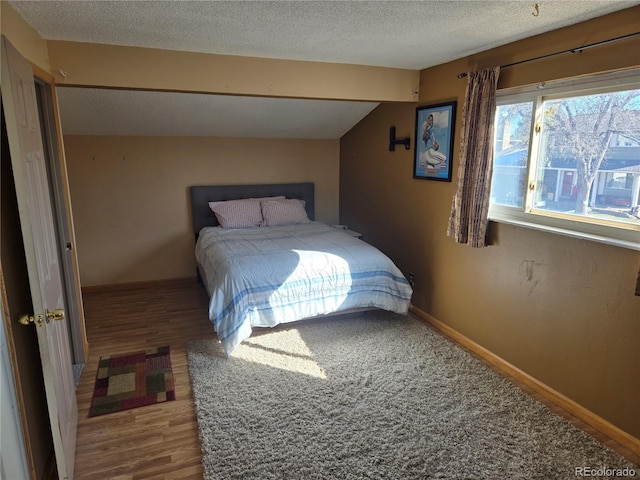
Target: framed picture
{"x": 434, "y": 141}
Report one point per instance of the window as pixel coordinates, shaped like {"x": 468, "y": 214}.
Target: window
{"x": 567, "y": 158}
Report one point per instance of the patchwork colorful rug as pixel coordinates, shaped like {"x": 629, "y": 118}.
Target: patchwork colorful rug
{"x": 132, "y": 380}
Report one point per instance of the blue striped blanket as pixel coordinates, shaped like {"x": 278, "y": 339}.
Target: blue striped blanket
{"x": 261, "y": 277}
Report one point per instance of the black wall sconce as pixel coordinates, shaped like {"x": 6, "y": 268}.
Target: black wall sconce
{"x": 401, "y": 141}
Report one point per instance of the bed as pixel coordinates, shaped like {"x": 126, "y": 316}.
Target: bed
{"x": 287, "y": 268}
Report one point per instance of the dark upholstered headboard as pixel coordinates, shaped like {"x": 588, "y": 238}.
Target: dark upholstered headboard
{"x": 201, "y": 195}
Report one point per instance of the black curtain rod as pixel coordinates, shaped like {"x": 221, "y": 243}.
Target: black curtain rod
{"x": 571, "y": 50}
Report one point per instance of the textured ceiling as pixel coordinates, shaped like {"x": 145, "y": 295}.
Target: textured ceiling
{"x": 402, "y": 34}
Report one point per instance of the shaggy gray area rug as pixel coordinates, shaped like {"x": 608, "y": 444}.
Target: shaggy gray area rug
{"x": 375, "y": 396}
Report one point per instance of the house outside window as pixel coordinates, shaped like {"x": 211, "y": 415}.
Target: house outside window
{"x": 567, "y": 158}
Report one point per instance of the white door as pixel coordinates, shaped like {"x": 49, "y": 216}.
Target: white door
{"x": 38, "y": 231}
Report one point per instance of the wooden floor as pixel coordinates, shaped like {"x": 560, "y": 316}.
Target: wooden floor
{"x": 158, "y": 441}
{"x": 161, "y": 441}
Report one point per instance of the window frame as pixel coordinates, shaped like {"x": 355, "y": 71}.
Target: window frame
{"x": 527, "y": 215}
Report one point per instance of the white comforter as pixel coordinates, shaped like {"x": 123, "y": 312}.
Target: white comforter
{"x": 271, "y": 275}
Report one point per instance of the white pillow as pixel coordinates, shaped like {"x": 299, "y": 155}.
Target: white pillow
{"x": 283, "y": 212}
{"x": 237, "y": 213}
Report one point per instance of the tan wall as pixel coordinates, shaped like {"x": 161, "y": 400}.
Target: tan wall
{"x": 148, "y": 68}
{"x": 24, "y": 37}
{"x": 130, "y": 197}
{"x": 561, "y": 309}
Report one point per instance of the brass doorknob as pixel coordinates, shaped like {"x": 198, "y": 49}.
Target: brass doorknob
{"x": 29, "y": 319}
{"x": 57, "y": 314}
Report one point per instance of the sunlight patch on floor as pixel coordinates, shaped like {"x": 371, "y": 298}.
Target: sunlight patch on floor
{"x": 285, "y": 350}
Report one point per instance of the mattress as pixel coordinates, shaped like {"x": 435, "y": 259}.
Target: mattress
{"x": 265, "y": 276}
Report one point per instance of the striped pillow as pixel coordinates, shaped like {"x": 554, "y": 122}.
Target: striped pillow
{"x": 279, "y": 197}
{"x": 283, "y": 212}
{"x": 237, "y": 213}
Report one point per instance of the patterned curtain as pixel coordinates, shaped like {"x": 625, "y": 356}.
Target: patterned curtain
{"x": 468, "y": 219}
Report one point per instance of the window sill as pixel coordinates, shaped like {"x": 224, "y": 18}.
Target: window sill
{"x": 629, "y": 239}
